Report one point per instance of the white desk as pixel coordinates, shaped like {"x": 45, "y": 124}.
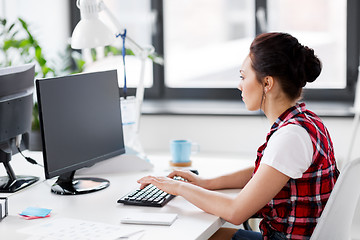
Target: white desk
{"x": 101, "y": 206}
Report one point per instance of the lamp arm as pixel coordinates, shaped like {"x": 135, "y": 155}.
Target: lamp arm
{"x": 140, "y": 52}
{"x": 135, "y": 47}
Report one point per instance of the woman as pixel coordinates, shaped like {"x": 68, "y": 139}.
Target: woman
{"x": 295, "y": 169}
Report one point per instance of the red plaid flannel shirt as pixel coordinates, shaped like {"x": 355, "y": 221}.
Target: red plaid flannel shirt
{"x": 295, "y": 209}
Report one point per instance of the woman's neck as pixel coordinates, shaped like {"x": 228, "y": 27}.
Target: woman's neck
{"x": 273, "y": 108}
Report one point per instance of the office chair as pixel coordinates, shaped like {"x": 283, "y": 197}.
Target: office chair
{"x": 339, "y": 216}
{"x": 340, "y": 219}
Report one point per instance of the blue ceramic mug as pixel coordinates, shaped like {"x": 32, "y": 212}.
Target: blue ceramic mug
{"x": 182, "y": 149}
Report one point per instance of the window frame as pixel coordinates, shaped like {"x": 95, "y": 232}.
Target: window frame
{"x": 159, "y": 90}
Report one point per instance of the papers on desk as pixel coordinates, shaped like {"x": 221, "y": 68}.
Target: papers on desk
{"x": 73, "y": 229}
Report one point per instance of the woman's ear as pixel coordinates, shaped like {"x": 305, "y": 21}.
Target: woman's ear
{"x": 268, "y": 83}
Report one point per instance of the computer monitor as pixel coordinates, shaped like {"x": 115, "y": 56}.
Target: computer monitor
{"x": 16, "y": 104}
{"x": 80, "y": 122}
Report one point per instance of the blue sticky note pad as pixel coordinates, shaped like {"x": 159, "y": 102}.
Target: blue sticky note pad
{"x": 35, "y": 211}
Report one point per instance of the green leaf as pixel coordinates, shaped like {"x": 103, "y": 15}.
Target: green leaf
{"x": 25, "y": 26}
{"x": 80, "y": 65}
{"x": 3, "y": 21}
{"x": 45, "y": 71}
{"x": 93, "y": 54}
{"x": 129, "y": 52}
{"x": 10, "y": 44}
{"x": 11, "y": 27}
{"x": 111, "y": 49}
{"x": 38, "y": 53}
{"x": 23, "y": 23}
{"x": 35, "y": 125}
{"x": 24, "y": 43}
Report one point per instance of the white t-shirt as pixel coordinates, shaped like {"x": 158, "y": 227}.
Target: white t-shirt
{"x": 289, "y": 150}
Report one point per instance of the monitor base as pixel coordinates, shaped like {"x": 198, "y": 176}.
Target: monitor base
{"x": 130, "y": 161}
{"x": 8, "y": 185}
{"x": 79, "y": 186}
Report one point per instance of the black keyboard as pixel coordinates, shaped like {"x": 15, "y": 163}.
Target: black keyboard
{"x": 150, "y": 196}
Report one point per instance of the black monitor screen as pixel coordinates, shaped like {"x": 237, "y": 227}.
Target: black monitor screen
{"x": 16, "y": 105}
{"x": 80, "y": 120}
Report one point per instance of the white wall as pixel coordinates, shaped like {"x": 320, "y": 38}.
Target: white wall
{"x": 229, "y": 135}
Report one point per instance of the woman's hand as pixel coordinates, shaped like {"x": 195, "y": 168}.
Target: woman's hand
{"x": 189, "y": 177}
{"x": 164, "y": 183}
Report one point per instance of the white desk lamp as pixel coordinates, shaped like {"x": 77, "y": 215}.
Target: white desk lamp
{"x": 91, "y": 32}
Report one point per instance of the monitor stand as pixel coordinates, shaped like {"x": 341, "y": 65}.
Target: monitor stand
{"x": 12, "y": 182}
{"x": 130, "y": 161}
{"x": 68, "y": 185}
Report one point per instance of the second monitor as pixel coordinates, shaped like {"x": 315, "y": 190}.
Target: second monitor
{"x": 80, "y": 121}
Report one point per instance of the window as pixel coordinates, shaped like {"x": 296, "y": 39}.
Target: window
{"x": 204, "y": 43}
{"x": 320, "y": 25}
{"x": 47, "y": 21}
